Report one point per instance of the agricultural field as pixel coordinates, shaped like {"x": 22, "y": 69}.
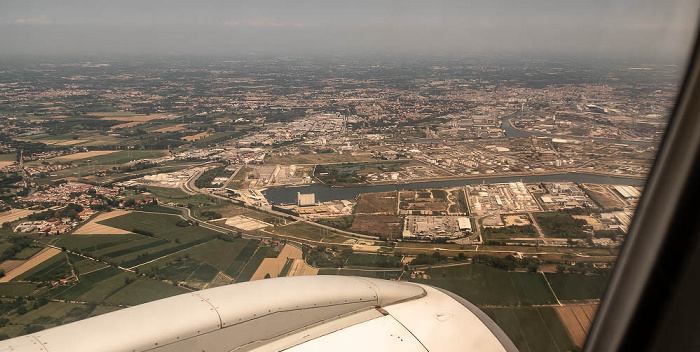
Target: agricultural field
{"x": 94, "y": 227}
{"x": 198, "y": 266}
{"x": 249, "y": 269}
{"x": 144, "y": 290}
{"x": 40, "y": 256}
{"x": 532, "y": 329}
{"x": 93, "y": 243}
{"x": 125, "y": 156}
{"x": 487, "y": 286}
{"x": 93, "y": 287}
{"x": 17, "y": 289}
{"x": 577, "y": 319}
{"x": 357, "y": 260}
{"x": 230, "y": 210}
{"x": 274, "y": 267}
{"x": 50, "y": 269}
{"x": 80, "y": 156}
{"x": 45, "y": 316}
{"x": 162, "y": 226}
{"x": 14, "y": 215}
{"x": 166, "y": 194}
{"x": 570, "y": 287}
{"x": 377, "y": 203}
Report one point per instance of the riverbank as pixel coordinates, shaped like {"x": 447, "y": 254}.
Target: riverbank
{"x": 324, "y": 193}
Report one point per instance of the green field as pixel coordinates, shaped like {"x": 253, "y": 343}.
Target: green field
{"x": 373, "y": 260}
{"x": 198, "y": 265}
{"x": 217, "y": 253}
{"x": 254, "y": 263}
{"x": 125, "y": 156}
{"x": 241, "y": 259}
{"x": 93, "y": 243}
{"x": 167, "y": 194}
{"x": 84, "y": 265}
{"x": 27, "y": 252}
{"x": 54, "y": 268}
{"x": 286, "y": 267}
{"x": 133, "y": 260}
{"x": 144, "y": 290}
{"x": 487, "y": 286}
{"x": 237, "y": 181}
{"x": 45, "y": 315}
{"x": 161, "y": 225}
{"x": 575, "y": 286}
{"x": 15, "y": 289}
{"x": 532, "y": 329}
{"x": 94, "y": 287}
{"x": 202, "y": 274}
{"x": 160, "y": 209}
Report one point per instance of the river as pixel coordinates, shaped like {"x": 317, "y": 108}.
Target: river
{"x": 286, "y": 195}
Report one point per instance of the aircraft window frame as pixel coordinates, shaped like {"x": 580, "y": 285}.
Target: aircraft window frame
{"x": 635, "y": 308}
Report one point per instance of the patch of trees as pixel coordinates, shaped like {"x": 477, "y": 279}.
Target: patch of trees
{"x": 425, "y": 259}
{"x": 210, "y": 215}
{"x": 340, "y": 222}
{"x": 583, "y": 269}
{"x": 608, "y": 233}
{"x": 561, "y": 225}
{"x": 283, "y": 115}
{"x": 228, "y": 237}
{"x": 71, "y": 210}
{"x": 18, "y": 244}
{"x": 9, "y": 179}
{"x": 208, "y": 176}
{"x": 333, "y": 175}
{"x": 508, "y": 262}
{"x": 183, "y": 223}
{"x": 510, "y": 231}
{"x": 322, "y": 258}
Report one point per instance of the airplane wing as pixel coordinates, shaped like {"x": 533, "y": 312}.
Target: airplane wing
{"x": 299, "y": 314}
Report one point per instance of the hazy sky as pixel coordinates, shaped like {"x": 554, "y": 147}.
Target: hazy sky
{"x": 622, "y": 28}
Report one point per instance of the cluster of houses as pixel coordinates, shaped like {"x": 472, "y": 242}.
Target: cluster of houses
{"x": 53, "y": 226}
